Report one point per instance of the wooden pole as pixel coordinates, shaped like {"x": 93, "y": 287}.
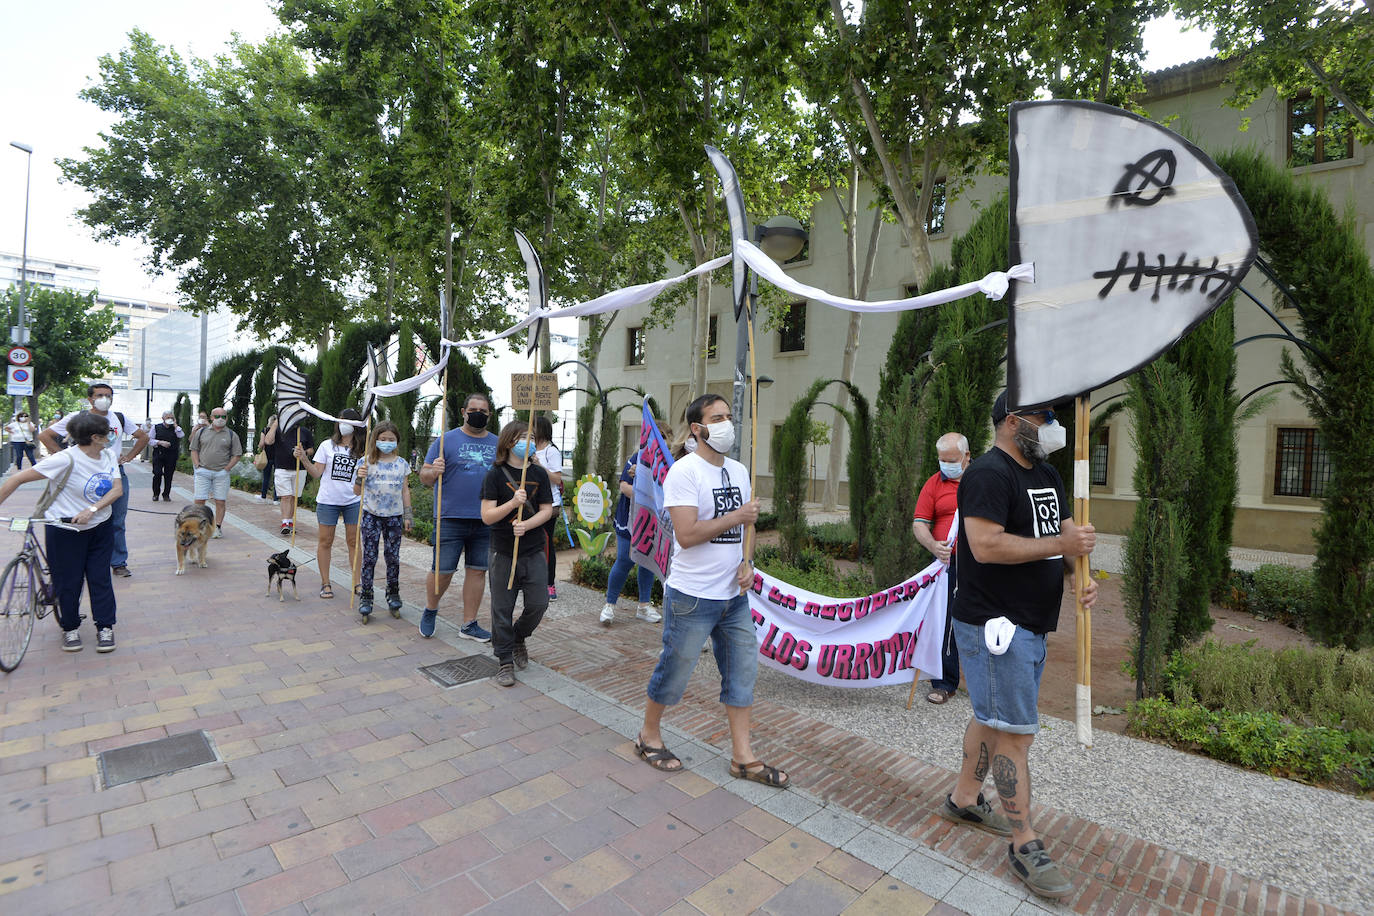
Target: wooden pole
{"x": 356, "y": 560}
{"x": 295, "y": 483}
{"x": 519, "y": 511}
{"x": 915, "y": 679}
{"x": 754, "y": 429}
{"x": 439, "y": 484}
{"x": 1081, "y": 482}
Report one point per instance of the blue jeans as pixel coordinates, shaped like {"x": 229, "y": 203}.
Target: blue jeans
{"x": 615, "y": 582}
{"x": 20, "y": 450}
{"x": 78, "y": 558}
{"x": 119, "y": 514}
{"x": 267, "y": 482}
{"x": 687, "y": 623}
{"x": 459, "y": 536}
{"x": 1004, "y": 688}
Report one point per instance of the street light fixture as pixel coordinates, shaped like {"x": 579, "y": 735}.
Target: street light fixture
{"x": 152, "y": 384}
{"x": 782, "y": 238}
{"x": 24, "y": 258}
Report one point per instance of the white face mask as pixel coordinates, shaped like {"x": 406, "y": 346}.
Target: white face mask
{"x": 102, "y": 403}
{"x": 219, "y": 422}
{"x": 345, "y": 429}
{"x": 952, "y": 470}
{"x": 1052, "y": 437}
{"x": 720, "y": 436}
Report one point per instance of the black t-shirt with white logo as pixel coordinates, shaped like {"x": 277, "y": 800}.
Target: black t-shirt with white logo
{"x": 1028, "y": 502}
{"x": 500, "y": 485}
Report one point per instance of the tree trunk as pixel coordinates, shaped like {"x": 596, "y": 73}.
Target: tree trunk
{"x": 390, "y": 284}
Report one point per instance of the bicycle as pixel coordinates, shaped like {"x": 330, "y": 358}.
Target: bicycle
{"x": 26, "y": 593}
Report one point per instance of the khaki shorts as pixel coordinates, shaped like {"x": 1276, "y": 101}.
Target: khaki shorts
{"x": 282, "y": 480}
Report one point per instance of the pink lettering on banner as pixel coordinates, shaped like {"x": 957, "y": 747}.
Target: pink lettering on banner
{"x": 860, "y": 670}
{"x": 910, "y": 650}
{"x": 843, "y": 656}
{"x": 663, "y": 552}
{"x": 643, "y": 530}
{"x": 757, "y": 587}
{"x": 757, "y": 617}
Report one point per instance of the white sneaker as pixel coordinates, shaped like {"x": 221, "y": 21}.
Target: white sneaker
{"x": 607, "y": 615}
{"x": 647, "y": 612}
{"x": 218, "y": 533}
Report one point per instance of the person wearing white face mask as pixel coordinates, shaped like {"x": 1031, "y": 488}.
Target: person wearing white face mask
{"x": 101, "y": 398}
{"x": 936, "y": 508}
{"x": 336, "y": 464}
{"x": 1014, "y": 535}
{"x": 214, "y": 450}
{"x": 711, "y": 503}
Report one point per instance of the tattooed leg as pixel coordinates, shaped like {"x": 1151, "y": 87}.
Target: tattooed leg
{"x": 979, "y": 742}
{"x": 1011, "y": 775}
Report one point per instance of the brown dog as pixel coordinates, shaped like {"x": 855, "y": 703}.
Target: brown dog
{"x": 194, "y": 525}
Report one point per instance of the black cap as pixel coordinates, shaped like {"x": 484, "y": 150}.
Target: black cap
{"x": 999, "y": 409}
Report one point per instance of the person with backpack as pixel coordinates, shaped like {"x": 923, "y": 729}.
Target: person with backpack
{"x": 514, "y": 512}
{"x": 101, "y": 398}
{"x": 83, "y": 486}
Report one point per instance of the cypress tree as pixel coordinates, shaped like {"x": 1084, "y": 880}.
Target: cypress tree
{"x": 1320, "y": 257}
{"x": 901, "y": 434}
{"x": 1158, "y": 564}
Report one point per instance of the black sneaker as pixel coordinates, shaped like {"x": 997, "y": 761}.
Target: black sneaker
{"x": 104, "y": 640}
{"x": 154, "y": 497}
{"x": 286, "y": 531}
{"x": 121, "y": 571}
{"x": 522, "y": 656}
{"x": 979, "y": 814}
{"x": 1032, "y": 864}
{"x": 71, "y": 641}
{"x": 506, "y": 676}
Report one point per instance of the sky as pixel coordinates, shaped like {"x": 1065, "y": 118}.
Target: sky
{"x": 48, "y": 54}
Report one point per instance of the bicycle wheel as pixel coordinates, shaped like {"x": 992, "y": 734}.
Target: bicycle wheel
{"x": 17, "y": 599}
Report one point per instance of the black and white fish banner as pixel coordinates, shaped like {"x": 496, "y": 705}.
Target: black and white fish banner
{"x": 1136, "y": 236}
{"x": 370, "y": 385}
{"x": 291, "y": 393}
{"x": 539, "y": 289}
{"x": 870, "y": 641}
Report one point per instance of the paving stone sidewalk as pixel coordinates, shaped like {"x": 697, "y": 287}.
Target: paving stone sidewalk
{"x": 349, "y": 782}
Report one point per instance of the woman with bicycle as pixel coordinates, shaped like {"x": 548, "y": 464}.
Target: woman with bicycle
{"x": 83, "y": 482}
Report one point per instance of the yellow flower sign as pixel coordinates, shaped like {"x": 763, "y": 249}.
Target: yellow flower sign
{"x": 591, "y": 500}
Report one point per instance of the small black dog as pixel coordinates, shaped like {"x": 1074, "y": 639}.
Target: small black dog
{"x": 280, "y": 569}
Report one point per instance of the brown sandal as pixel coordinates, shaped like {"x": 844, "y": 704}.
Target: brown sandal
{"x": 939, "y": 696}
{"x": 768, "y": 775}
{"x": 660, "y": 758}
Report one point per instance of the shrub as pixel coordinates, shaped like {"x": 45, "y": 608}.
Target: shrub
{"x": 1328, "y": 687}
{"x": 767, "y": 521}
{"x": 1260, "y": 741}
{"x": 813, "y": 571}
{"x": 836, "y": 539}
{"x": 595, "y": 573}
{"x": 1282, "y": 593}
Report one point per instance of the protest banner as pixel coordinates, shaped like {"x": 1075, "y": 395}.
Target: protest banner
{"x": 874, "y": 640}
{"x": 651, "y": 528}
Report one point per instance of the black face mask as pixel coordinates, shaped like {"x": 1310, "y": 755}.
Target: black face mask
{"x": 477, "y": 420}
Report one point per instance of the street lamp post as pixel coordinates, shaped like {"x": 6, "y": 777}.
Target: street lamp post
{"x": 152, "y": 384}
{"x": 781, "y": 238}
{"x": 24, "y": 256}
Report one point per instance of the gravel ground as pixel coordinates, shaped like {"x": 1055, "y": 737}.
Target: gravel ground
{"x": 1272, "y": 829}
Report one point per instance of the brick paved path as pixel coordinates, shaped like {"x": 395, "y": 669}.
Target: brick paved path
{"x": 348, "y": 782}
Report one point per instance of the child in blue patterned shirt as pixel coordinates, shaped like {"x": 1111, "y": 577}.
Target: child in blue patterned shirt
{"x": 382, "y": 482}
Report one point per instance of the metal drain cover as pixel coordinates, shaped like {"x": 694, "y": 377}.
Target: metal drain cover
{"x": 155, "y": 758}
{"x": 457, "y": 671}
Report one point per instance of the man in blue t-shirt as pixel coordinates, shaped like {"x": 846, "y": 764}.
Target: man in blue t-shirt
{"x": 462, "y": 457}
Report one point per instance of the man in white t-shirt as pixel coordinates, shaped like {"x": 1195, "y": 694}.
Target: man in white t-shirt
{"x": 711, "y": 503}
{"x": 101, "y": 398}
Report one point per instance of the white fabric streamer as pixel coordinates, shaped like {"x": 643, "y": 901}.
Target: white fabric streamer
{"x": 324, "y": 416}
{"x": 994, "y": 285}
{"x": 415, "y": 381}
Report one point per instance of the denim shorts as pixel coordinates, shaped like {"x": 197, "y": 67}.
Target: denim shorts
{"x": 328, "y": 514}
{"x": 211, "y": 484}
{"x": 459, "y": 537}
{"x": 1004, "y": 688}
{"x": 687, "y": 623}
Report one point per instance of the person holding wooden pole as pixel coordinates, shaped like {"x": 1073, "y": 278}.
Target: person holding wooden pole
{"x": 516, "y": 507}
{"x": 289, "y": 476}
{"x": 1015, "y": 534}
{"x": 456, "y": 464}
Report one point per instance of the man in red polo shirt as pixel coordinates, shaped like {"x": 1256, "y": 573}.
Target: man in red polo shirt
{"x": 935, "y": 510}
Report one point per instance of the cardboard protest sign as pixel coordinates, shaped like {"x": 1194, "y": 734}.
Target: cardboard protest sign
{"x": 651, "y": 527}
{"x": 1136, "y": 236}
{"x": 867, "y": 641}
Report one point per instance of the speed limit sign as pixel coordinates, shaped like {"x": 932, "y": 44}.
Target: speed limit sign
{"x": 20, "y": 356}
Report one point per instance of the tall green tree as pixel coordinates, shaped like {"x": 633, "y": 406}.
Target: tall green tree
{"x": 1320, "y": 257}
{"x": 221, "y": 170}
{"x": 1297, "y": 45}
{"x": 65, "y": 328}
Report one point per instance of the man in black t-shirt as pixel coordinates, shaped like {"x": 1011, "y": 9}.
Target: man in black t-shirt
{"x": 1014, "y": 535}
{"x": 287, "y": 481}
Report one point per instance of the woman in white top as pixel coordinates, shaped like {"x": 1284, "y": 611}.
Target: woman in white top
{"x": 335, "y": 463}
{"x": 550, "y": 458}
{"x": 21, "y": 433}
{"x": 86, "y": 478}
